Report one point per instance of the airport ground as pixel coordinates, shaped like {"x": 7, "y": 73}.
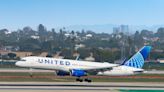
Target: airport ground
{"x": 19, "y": 80}
{"x": 81, "y": 87}
{"x": 18, "y": 75}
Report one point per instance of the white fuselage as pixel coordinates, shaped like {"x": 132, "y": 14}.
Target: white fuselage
{"x": 61, "y": 64}
{"x": 121, "y": 71}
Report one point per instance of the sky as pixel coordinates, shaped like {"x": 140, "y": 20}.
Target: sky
{"x": 16, "y": 14}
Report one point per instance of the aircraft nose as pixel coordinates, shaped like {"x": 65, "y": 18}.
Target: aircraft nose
{"x": 19, "y": 63}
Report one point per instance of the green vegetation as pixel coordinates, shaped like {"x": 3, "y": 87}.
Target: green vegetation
{"x": 104, "y": 47}
{"x": 153, "y": 65}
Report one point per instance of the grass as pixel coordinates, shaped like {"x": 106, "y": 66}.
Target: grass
{"x": 127, "y": 80}
{"x": 50, "y": 77}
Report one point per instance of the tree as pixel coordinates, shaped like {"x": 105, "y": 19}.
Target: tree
{"x": 67, "y": 53}
{"x": 29, "y": 45}
{"x": 41, "y": 29}
{"x": 42, "y": 32}
{"x": 47, "y": 46}
{"x": 160, "y": 33}
{"x": 138, "y": 39}
{"x": 84, "y": 52}
{"x": 146, "y": 33}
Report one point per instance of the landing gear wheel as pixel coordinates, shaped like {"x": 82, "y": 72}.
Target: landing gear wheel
{"x": 80, "y": 80}
{"x": 88, "y": 80}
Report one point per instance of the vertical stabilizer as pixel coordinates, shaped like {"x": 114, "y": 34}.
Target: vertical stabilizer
{"x": 139, "y": 58}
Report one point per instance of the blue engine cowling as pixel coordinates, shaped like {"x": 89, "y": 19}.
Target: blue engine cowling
{"x": 78, "y": 73}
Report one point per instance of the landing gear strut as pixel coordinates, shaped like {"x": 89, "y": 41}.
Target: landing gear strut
{"x": 31, "y": 73}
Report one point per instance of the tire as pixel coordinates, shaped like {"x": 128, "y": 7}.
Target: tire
{"x": 80, "y": 80}
{"x": 88, "y": 80}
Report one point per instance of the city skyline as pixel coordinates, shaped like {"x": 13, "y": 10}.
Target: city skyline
{"x": 16, "y": 14}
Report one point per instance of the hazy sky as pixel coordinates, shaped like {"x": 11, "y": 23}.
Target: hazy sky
{"x": 16, "y": 14}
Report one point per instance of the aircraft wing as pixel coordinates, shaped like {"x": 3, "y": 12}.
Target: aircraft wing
{"x": 106, "y": 66}
{"x": 101, "y": 69}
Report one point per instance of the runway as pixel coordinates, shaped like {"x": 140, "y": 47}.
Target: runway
{"x": 79, "y": 87}
{"x": 22, "y": 70}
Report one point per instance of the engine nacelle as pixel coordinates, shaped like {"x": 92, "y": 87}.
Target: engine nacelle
{"x": 78, "y": 73}
{"x": 62, "y": 73}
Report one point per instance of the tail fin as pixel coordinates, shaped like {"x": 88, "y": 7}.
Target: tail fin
{"x": 138, "y": 59}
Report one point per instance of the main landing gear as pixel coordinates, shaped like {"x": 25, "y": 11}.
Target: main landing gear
{"x": 81, "y": 80}
{"x": 31, "y": 72}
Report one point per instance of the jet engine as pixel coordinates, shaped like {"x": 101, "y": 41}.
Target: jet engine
{"x": 78, "y": 73}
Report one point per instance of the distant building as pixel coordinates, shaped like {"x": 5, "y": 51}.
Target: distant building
{"x": 154, "y": 39}
{"x": 35, "y": 37}
{"x": 89, "y": 35}
{"x": 116, "y": 30}
{"x": 8, "y": 32}
{"x": 43, "y": 54}
{"x": 105, "y": 39}
{"x": 77, "y": 46}
{"x": 124, "y": 29}
{"x": 71, "y": 35}
{"x": 67, "y": 34}
{"x": 90, "y": 58}
{"x": 11, "y": 48}
{"x": 23, "y": 54}
{"x": 161, "y": 60}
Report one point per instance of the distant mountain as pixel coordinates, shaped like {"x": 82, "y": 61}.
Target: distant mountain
{"x": 108, "y": 28}
{"x": 153, "y": 28}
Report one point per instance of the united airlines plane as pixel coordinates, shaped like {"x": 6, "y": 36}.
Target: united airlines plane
{"x": 80, "y": 68}
{"x": 63, "y": 66}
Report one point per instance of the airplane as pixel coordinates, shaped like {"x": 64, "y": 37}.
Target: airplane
{"x": 77, "y": 68}
{"x": 132, "y": 66}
